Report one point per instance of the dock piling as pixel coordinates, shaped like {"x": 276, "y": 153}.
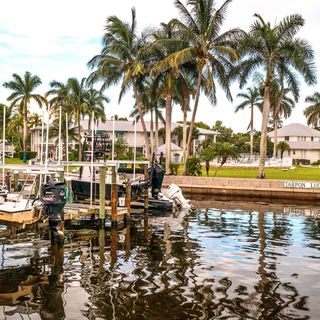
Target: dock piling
{"x": 146, "y": 192}
{"x": 102, "y": 195}
{"x": 128, "y": 200}
{"x": 114, "y": 197}
{"x": 15, "y": 180}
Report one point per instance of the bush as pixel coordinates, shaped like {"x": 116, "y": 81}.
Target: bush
{"x": 73, "y": 155}
{"x": 317, "y": 163}
{"x": 30, "y": 154}
{"x": 174, "y": 167}
{"x": 193, "y": 166}
{"x": 304, "y": 162}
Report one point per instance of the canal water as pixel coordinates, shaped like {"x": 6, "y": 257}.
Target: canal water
{"x": 226, "y": 260}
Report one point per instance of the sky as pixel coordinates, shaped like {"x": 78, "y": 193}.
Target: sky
{"x": 55, "y": 40}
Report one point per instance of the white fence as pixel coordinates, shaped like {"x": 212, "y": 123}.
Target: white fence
{"x": 254, "y": 162}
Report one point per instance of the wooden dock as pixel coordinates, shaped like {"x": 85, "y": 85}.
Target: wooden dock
{"x": 75, "y": 210}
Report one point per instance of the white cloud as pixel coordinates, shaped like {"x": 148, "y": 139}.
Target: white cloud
{"x": 56, "y": 39}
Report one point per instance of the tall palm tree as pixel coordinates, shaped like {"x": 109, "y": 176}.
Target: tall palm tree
{"x": 312, "y": 112}
{"x": 59, "y": 97}
{"x": 119, "y": 60}
{"x": 78, "y": 104}
{"x": 212, "y": 52}
{"x": 252, "y": 99}
{"x": 22, "y": 94}
{"x": 165, "y": 43}
{"x": 280, "y": 53}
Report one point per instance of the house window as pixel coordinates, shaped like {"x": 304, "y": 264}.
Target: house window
{"x": 286, "y": 138}
{"x": 293, "y": 152}
{"x": 311, "y": 138}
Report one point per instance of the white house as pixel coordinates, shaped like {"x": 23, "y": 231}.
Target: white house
{"x": 304, "y": 141}
{"x": 124, "y": 130}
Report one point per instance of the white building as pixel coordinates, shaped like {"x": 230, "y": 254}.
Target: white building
{"x": 124, "y": 130}
{"x": 304, "y": 141}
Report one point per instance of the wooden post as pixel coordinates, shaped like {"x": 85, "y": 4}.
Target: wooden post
{"x": 114, "y": 197}
{"x": 7, "y": 179}
{"x": 114, "y": 247}
{"x": 15, "y": 180}
{"x": 102, "y": 259}
{"x": 127, "y": 242}
{"x": 146, "y": 192}
{"x": 102, "y": 195}
{"x": 128, "y": 200}
{"x": 37, "y": 186}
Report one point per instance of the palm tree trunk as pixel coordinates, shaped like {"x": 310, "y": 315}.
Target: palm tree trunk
{"x": 275, "y": 137}
{"x": 193, "y": 118}
{"x": 139, "y": 106}
{"x": 25, "y": 125}
{"x": 156, "y": 135}
{"x": 251, "y": 133}
{"x": 263, "y": 140}
{"x": 79, "y": 137}
{"x": 184, "y": 132}
{"x": 89, "y": 123}
{"x": 276, "y": 114}
{"x": 168, "y": 123}
{"x": 185, "y": 108}
{"x": 151, "y": 134}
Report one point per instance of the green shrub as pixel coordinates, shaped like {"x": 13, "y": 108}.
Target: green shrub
{"x": 304, "y": 162}
{"x": 193, "y": 166}
{"x": 73, "y": 155}
{"x": 174, "y": 167}
{"x": 30, "y": 154}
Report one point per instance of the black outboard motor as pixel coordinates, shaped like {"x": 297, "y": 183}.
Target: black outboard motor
{"x": 53, "y": 198}
{"x": 157, "y": 174}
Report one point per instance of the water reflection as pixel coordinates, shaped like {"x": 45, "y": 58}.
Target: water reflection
{"x": 212, "y": 264}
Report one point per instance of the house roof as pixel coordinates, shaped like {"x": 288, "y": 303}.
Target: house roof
{"x": 304, "y": 145}
{"x": 296, "y": 130}
{"x": 174, "y": 148}
{"x": 128, "y": 126}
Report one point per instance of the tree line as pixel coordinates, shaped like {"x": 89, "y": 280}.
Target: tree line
{"x": 183, "y": 60}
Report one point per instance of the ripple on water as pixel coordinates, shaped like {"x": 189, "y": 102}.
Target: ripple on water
{"x": 213, "y": 264}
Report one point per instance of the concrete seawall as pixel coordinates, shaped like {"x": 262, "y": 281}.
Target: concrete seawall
{"x": 250, "y": 188}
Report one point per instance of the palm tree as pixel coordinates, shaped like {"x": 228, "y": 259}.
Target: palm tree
{"x": 252, "y": 99}
{"x": 15, "y": 130}
{"x": 60, "y": 99}
{"x": 207, "y": 47}
{"x": 278, "y": 51}
{"x": 312, "y": 112}
{"x": 78, "y": 104}
{"x": 166, "y": 43}
{"x": 119, "y": 60}
{"x": 22, "y": 95}
{"x": 282, "y": 146}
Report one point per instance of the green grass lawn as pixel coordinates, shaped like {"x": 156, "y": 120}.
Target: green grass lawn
{"x": 299, "y": 173}
{"x": 13, "y": 161}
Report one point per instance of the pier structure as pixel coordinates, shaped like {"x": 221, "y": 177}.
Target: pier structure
{"x": 103, "y": 209}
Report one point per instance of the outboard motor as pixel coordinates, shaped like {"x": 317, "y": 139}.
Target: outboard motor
{"x": 53, "y": 198}
{"x": 157, "y": 174}
{"x": 174, "y": 193}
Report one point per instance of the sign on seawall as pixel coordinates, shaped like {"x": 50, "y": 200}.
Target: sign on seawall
{"x": 302, "y": 184}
